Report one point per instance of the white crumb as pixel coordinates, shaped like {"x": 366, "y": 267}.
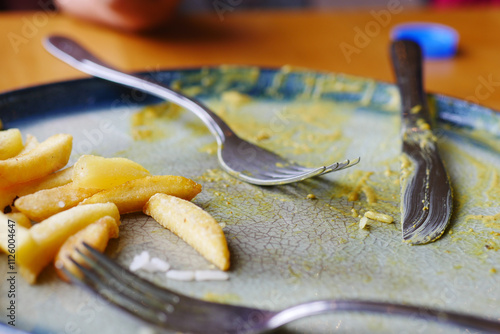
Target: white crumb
{"x": 147, "y": 330}
{"x": 363, "y": 222}
{"x": 139, "y": 261}
{"x": 156, "y": 265}
{"x": 210, "y": 275}
{"x": 181, "y": 275}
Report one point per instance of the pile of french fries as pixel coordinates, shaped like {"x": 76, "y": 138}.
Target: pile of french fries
{"x": 56, "y": 210}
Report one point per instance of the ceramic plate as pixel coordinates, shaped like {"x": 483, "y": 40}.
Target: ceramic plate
{"x": 292, "y": 243}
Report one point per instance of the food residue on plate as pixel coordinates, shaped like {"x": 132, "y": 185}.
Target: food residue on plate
{"x": 361, "y": 178}
{"x": 379, "y": 217}
{"x": 234, "y": 98}
{"x": 373, "y": 215}
{"x": 146, "y": 123}
{"x": 144, "y": 262}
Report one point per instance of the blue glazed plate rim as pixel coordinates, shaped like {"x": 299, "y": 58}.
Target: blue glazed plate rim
{"x": 88, "y": 94}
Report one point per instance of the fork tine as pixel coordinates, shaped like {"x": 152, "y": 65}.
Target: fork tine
{"x": 349, "y": 163}
{"x": 136, "y": 281}
{"x": 300, "y": 172}
{"x": 160, "y": 317}
{"x": 293, "y": 167}
{"x": 277, "y": 181}
{"x": 285, "y": 172}
{"x": 340, "y": 165}
{"x": 269, "y": 177}
{"x": 122, "y": 282}
{"x": 138, "y": 286}
{"x": 92, "y": 282}
{"x": 135, "y": 295}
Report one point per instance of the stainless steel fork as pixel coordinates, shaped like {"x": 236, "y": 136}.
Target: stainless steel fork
{"x": 241, "y": 159}
{"x": 169, "y": 310}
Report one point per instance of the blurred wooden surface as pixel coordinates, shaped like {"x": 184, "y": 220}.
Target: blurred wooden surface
{"x": 306, "y": 39}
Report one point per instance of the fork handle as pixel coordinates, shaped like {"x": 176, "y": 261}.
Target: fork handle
{"x": 329, "y": 306}
{"x": 77, "y": 56}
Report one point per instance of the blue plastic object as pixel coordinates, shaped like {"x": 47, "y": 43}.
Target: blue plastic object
{"x": 437, "y": 41}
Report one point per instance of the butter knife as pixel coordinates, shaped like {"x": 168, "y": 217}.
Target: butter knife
{"x": 426, "y": 195}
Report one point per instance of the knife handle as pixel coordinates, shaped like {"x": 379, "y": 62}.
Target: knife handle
{"x": 407, "y": 62}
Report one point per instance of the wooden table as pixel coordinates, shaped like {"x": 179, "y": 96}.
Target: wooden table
{"x": 312, "y": 39}
{"x": 304, "y": 39}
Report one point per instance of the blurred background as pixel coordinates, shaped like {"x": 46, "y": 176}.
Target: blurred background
{"x": 208, "y": 5}
{"x": 136, "y": 15}
{"x": 343, "y": 36}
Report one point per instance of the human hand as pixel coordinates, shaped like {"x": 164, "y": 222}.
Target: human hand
{"x": 129, "y": 15}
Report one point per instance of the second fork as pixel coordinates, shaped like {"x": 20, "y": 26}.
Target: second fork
{"x": 241, "y": 159}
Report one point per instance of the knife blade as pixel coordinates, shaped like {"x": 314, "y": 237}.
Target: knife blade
{"x": 426, "y": 194}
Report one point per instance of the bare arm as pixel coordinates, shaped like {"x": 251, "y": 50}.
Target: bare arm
{"x": 130, "y": 15}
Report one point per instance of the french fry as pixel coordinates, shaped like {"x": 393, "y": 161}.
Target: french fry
{"x": 193, "y": 225}
{"x": 30, "y": 270}
{"x": 45, "y": 203}
{"x": 11, "y": 143}
{"x": 42, "y": 242}
{"x": 20, "y": 218}
{"x": 31, "y": 143}
{"x": 20, "y": 238}
{"x": 7, "y": 195}
{"x": 95, "y": 235}
{"x": 12, "y": 235}
{"x": 91, "y": 171}
{"x": 9, "y": 229}
{"x": 44, "y": 159}
{"x": 131, "y": 196}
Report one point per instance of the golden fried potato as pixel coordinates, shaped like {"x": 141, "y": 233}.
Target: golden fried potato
{"x": 12, "y": 236}
{"x": 193, "y": 225}
{"x": 45, "y": 203}
{"x": 91, "y": 171}
{"x": 9, "y": 233}
{"x": 96, "y": 235}
{"x": 11, "y": 143}
{"x": 31, "y": 143}
{"x": 30, "y": 267}
{"x": 20, "y": 218}
{"x": 7, "y": 195}
{"x": 44, "y": 159}
{"x": 42, "y": 242}
{"x": 131, "y": 196}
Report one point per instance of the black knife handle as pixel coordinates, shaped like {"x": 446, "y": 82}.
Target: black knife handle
{"x": 407, "y": 62}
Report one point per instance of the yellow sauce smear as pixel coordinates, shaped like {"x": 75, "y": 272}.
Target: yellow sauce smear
{"x": 226, "y": 298}
{"x": 145, "y": 125}
{"x": 362, "y": 186}
{"x": 489, "y": 221}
